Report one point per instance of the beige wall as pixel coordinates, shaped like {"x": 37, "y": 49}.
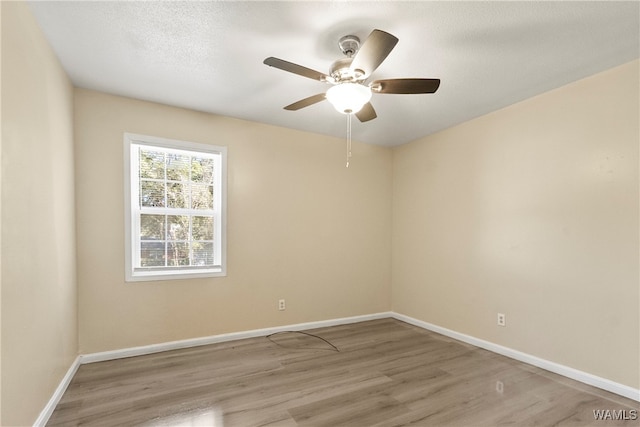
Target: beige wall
{"x": 0, "y": 219}
{"x": 531, "y": 211}
{"x": 300, "y": 226}
{"x": 39, "y": 325}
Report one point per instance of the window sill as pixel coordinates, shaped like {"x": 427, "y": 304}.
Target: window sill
{"x": 149, "y": 276}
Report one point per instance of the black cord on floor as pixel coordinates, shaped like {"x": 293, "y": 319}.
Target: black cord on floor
{"x": 303, "y": 333}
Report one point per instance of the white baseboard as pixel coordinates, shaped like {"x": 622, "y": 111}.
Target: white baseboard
{"x": 82, "y": 359}
{"x": 583, "y": 377}
{"x": 43, "y": 418}
{"x": 195, "y": 342}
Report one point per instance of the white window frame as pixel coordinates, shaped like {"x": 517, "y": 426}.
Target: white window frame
{"x": 134, "y": 273}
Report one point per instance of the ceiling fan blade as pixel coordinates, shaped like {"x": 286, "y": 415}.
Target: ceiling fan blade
{"x": 405, "y": 86}
{"x": 373, "y": 51}
{"x": 296, "y": 69}
{"x": 305, "y": 102}
{"x": 366, "y": 113}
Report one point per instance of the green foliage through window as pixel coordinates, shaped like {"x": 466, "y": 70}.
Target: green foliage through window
{"x": 181, "y": 186}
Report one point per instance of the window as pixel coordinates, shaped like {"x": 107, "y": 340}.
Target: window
{"x": 175, "y": 196}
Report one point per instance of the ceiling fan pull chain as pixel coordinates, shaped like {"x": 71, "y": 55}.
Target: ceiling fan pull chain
{"x": 348, "y": 138}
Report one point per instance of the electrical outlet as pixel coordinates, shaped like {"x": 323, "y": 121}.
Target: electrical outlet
{"x": 500, "y": 387}
{"x": 281, "y": 305}
{"x": 502, "y": 319}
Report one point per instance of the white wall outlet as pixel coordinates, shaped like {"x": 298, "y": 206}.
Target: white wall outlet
{"x": 281, "y": 305}
{"x": 502, "y": 319}
{"x": 500, "y": 387}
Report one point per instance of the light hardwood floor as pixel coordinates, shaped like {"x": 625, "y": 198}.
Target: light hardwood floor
{"x": 386, "y": 373}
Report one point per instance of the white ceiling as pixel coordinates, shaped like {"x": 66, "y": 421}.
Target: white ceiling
{"x": 208, "y": 56}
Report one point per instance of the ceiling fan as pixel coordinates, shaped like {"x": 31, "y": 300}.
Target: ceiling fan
{"x": 350, "y": 94}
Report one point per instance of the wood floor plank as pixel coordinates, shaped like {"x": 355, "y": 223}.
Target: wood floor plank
{"x": 380, "y": 373}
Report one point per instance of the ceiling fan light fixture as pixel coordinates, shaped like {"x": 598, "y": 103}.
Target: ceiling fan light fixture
{"x": 348, "y": 97}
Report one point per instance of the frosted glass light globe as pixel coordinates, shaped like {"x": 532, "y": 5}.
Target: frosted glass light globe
{"x": 348, "y": 98}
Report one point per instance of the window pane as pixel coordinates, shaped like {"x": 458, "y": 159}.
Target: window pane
{"x": 202, "y": 253}
{"x": 178, "y": 227}
{"x": 202, "y": 170}
{"x": 177, "y": 195}
{"x": 152, "y": 254}
{"x": 152, "y": 227}
{"x": 178, "y": 167}
{"x": 202, "y": 196}
{"x": 151, "y": 164}
{"x": 152, "y": 194}
{"x": 175, "y": 209}
{"x": 177, "y": 253}
{"x": 202, "y": 228}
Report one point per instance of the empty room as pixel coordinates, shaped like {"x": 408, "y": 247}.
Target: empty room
{"x": 327, "y": 213}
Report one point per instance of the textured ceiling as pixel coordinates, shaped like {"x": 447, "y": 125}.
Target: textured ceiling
{"x": 208, "y": 56}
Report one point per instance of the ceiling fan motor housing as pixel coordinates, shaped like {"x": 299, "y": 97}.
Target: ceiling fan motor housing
{"x": 341, "y": 69}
